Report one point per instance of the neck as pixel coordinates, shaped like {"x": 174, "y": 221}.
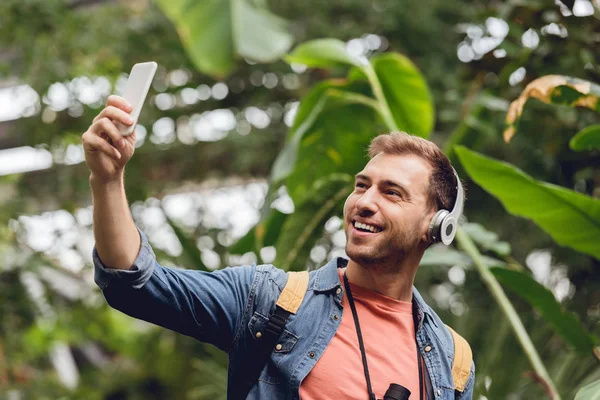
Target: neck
{"x": 391, "y": 281}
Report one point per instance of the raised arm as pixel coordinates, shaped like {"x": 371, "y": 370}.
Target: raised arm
{"x": 207, "y": 306}
{"x": 106, "y": 154}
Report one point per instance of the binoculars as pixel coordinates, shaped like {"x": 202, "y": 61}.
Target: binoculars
{"x": 396, "y": 392}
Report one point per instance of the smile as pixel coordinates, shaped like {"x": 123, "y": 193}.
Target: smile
{"x": 366, "y": 228}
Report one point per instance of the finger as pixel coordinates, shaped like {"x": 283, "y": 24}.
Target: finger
{"x": 107, "y": 126}
{"x": 119, "y": 102}
{"x": 115, "y": 114}
{"x": 93, "y": 142}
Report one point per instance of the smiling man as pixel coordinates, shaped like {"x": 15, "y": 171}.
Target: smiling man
{"x": 348, "y": 330}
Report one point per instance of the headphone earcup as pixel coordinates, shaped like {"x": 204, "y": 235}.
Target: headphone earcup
{"x": 448, "y": 230}
{"x": 435, "y": 226}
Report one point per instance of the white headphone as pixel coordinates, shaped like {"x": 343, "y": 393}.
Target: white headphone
{"x": 444, "y": 223}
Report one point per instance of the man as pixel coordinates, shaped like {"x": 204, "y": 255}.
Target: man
{"x": 361, "y": 325}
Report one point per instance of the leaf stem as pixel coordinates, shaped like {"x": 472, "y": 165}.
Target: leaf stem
{"x": 384, "y": 108}
{"x": 351, "y": 97}
{"x": 509, "y": 311}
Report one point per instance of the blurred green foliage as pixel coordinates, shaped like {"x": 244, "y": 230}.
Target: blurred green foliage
{"x": 47, "y": 41}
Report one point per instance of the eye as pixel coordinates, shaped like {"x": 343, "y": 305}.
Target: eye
{"x": 360, "y": 185}
{"x": 393, "y": 193}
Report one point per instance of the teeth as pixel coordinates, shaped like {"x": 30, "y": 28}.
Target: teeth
{"x": 367, "y": 227}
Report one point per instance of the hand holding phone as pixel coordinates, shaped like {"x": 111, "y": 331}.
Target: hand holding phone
{"x": 136, "y": 91}
{"x": 108, "y": 143}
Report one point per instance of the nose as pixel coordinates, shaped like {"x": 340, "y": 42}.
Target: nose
{"x": 366, "y": 203}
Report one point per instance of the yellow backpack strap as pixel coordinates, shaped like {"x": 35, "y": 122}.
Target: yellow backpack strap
{"x": 293, "y": 293}
{"x": 463, "y": 358}
{"x": 288, "y": 303}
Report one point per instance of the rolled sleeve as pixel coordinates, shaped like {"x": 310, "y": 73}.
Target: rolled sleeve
{"x": 208, "y": 306}
{"x": 136, "y": 277}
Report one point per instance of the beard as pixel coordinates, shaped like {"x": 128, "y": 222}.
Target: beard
{"x": 384, "y": 253}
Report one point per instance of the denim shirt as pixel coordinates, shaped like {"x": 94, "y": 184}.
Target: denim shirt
{"x": 228, "y": 307}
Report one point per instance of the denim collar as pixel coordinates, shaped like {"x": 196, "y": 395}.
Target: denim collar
{"x": 327, "y": 279}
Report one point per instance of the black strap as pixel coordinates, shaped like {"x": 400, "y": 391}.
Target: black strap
{"x": 262, "y": 351}
{"x": 360, "y": 340}
{"x": 362, "y": 346}
{"x": 275, "y": 325}
{"x": 419, "y": 357}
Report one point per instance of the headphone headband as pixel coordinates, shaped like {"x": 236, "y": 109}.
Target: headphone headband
{"x": 460, "y": 198}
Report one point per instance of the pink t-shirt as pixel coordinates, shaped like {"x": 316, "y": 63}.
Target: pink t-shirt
{"x": 389, "y": 337}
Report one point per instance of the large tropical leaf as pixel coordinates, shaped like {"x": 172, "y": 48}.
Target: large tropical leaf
{"x": 335, "y": 103}
{"x": 324, "y": 53}
{"x": 214, "y": 32}
{"x": 326, "y": 97}
{"x": 337, "y": 142}
{"x": 304, "y": 227}
{"x": 587, "y": 139}
{"x": 404, "y": 88}
{"x": 589, "y": 392}
{"x": 405, "y": 91}
{"x": 553, "y": 89}
{"x": 564, "y": 323}
{"x": 571, "y": 218}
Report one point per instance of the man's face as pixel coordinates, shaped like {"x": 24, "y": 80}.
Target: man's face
{"x": 390, "y": 198}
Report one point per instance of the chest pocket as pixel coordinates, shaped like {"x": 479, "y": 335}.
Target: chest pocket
{"x": 272, "y": 372}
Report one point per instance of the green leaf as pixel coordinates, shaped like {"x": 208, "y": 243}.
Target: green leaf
{"x": 405, "y": 91}
{"x": 304, "y": 227}
{"x": 264, "y": 233}
{"x": 571, "y": 218}
{"x": 331, "y": 133}
{"x": 586, "y": 139}
{"x": 324, "y": 53}
{"x": 444, "y": 255}
{"x": 325, "y": 97}
{"x": 553, "y": 89}
{"x": 245, "y": 244}
{"x": 486, "y": 240}
{"x": 273, "y": 228}
{"x": 337, "y": 119}
{"x": 214, "y": 32}
{"x": 191, "y": 253}
{"x": 336, "y": 142}
{"x": 589, "y": 392}
{"x": 562, "y": 321}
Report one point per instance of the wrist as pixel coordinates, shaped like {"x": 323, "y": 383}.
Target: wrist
{"x": 100, "y": 183}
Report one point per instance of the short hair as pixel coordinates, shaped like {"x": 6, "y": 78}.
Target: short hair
{"x": 442, "y": 190}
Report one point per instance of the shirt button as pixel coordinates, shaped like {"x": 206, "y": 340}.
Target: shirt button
{"x": 336, "y": 317}
{"x": 428, "y": 349}
{"x": 278, "y": 347}
{"x": 338, "y": 291}
{"x": 311, "y": 354}
{"x": 439, "y": 392}
{"x": 258, "y": 335}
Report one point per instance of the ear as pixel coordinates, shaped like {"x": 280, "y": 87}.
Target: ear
{"x": 425, "y": 226}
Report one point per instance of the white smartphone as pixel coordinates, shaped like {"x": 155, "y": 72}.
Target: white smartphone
{"x": 136, "y": 90}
